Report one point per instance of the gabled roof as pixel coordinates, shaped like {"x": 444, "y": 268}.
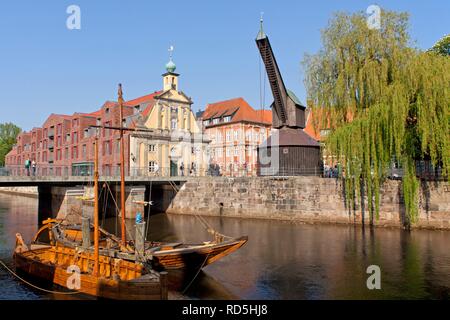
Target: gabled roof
{"x": 239, "y": 110}
{"x": 144, "y": 99}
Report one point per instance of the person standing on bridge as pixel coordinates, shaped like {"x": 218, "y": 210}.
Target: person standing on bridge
{"x": 156, "y": 168}
{"x": 27, "y": 166}
{"x": 33, "y": 167}
{"x": 182, "y": 169}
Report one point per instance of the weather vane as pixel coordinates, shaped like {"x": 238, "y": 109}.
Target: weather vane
{"x": 262, "y": 14}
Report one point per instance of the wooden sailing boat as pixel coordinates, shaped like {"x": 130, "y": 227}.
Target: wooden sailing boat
{"x": 161, "y": 256}
{"x": 101, "y": 273}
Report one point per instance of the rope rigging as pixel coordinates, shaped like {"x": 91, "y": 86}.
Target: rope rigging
{"x": 34, "y": 286}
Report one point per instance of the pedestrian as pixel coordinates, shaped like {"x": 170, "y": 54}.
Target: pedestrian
{"x": 33, "y": 166}
{"x": 182, "y": 169}
{"x": 193, "y": 169}
{"x": 27, "y": 166}
{"x": 156, "y": 168}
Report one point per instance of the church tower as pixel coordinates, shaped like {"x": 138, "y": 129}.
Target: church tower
{"x": 170, "y": 78}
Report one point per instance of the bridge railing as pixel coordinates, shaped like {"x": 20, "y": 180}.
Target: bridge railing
{"x": 88, "y": 171}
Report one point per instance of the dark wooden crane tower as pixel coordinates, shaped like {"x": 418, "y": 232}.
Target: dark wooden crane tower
{"x": 298, "y": 153}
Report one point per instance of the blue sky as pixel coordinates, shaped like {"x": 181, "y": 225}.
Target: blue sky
{"x": 46, "y": 68}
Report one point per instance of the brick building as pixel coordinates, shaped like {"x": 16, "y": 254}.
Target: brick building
{"x": 65, "y": 143}
{"x": 235, "y": 130}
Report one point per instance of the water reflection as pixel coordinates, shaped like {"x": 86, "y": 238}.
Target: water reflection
{"x": 281, "y": 260}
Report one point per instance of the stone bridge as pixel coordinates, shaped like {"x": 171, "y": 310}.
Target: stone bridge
{"x": 70, "y": 197}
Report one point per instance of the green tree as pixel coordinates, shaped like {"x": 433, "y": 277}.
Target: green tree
{"x": 442, "y": 47}
{"x": 8, "y": 136}
{"x": 383, "y": 100}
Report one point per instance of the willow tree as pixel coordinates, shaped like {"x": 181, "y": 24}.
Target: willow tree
{"x": 383, "y": 101}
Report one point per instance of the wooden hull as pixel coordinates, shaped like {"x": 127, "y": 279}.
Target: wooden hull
{"x": 36, "y": 264}
{"x": 195, "y": 257}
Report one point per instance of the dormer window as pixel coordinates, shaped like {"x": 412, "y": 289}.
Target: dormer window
{"x": 206, "y": 122}
{"x": 216, "y": 121}
{"x": 227, "y": 119}
{"x": 107, "y": 110}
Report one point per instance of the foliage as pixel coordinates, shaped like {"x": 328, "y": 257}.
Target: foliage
{"x": 442, "y": 47}
{"x": 8, "y": 136}
{"x": 383, "y": 101}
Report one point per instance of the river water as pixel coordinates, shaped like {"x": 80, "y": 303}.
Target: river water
{"x": 282, "y": 260}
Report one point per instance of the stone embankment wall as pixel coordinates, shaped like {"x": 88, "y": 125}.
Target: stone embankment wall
{"x": 306, "y": 199}
{"x": 22, "y": 191}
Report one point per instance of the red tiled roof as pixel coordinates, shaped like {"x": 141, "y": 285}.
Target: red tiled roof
{"x": 316, "y": 119}
{"x": 143, "y": 99}
{"x": 242, "y": 111}
{"x": 150, "y": 99}
{"x": 312, "y": 125}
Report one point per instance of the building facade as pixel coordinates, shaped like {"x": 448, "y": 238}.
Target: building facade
{"x": 176, "y": 145}
{"x": 235, "y": 130}
{"x": 64, "y": 145}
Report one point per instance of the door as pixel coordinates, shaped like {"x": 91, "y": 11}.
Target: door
{"x": 173, "y": 169}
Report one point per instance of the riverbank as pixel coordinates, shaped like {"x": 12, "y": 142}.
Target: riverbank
{"x": 299, "y": 199}
{"x": 307, "y": 200}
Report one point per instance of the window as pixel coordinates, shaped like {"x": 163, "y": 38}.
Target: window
{"x": 236, "y": 151}
{"x": 236, "y": 134}
{"x": 174, "y": 124}
{"x": 68, "y": 138}
{"x": 228, "y": 152}
{"x": 152, "y": 166}
{"x": 219, "y": 137}
{"x": 67, "y": 154}
{"x": 228, "y": 135}
{"x": 137, "y": 109}
{"x": 75, "y": 153}
{"x": 227, "y": 119}
{"x": 75, "y": 137}
{"x": 107, "y": 110}
{"x": 107, "y": 148}
{"x": 206, "y": 122}
{"x": 216, "y": 121}
{"x": 219, "y": 152}
{"x": 151, "y": 148}
{"x": 84, "y": 151}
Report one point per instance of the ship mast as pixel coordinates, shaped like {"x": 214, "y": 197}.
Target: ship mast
{"x": 122, "y": 166}
{"x": 96, "y": 207}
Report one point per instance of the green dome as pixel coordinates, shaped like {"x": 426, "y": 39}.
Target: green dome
{"x": 170, "y": 66}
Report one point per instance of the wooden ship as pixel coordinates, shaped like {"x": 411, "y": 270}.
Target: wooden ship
{"x": 297, "y": 152}
{"x": 158, "y": 256}
{"x": 101, "y": 270}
